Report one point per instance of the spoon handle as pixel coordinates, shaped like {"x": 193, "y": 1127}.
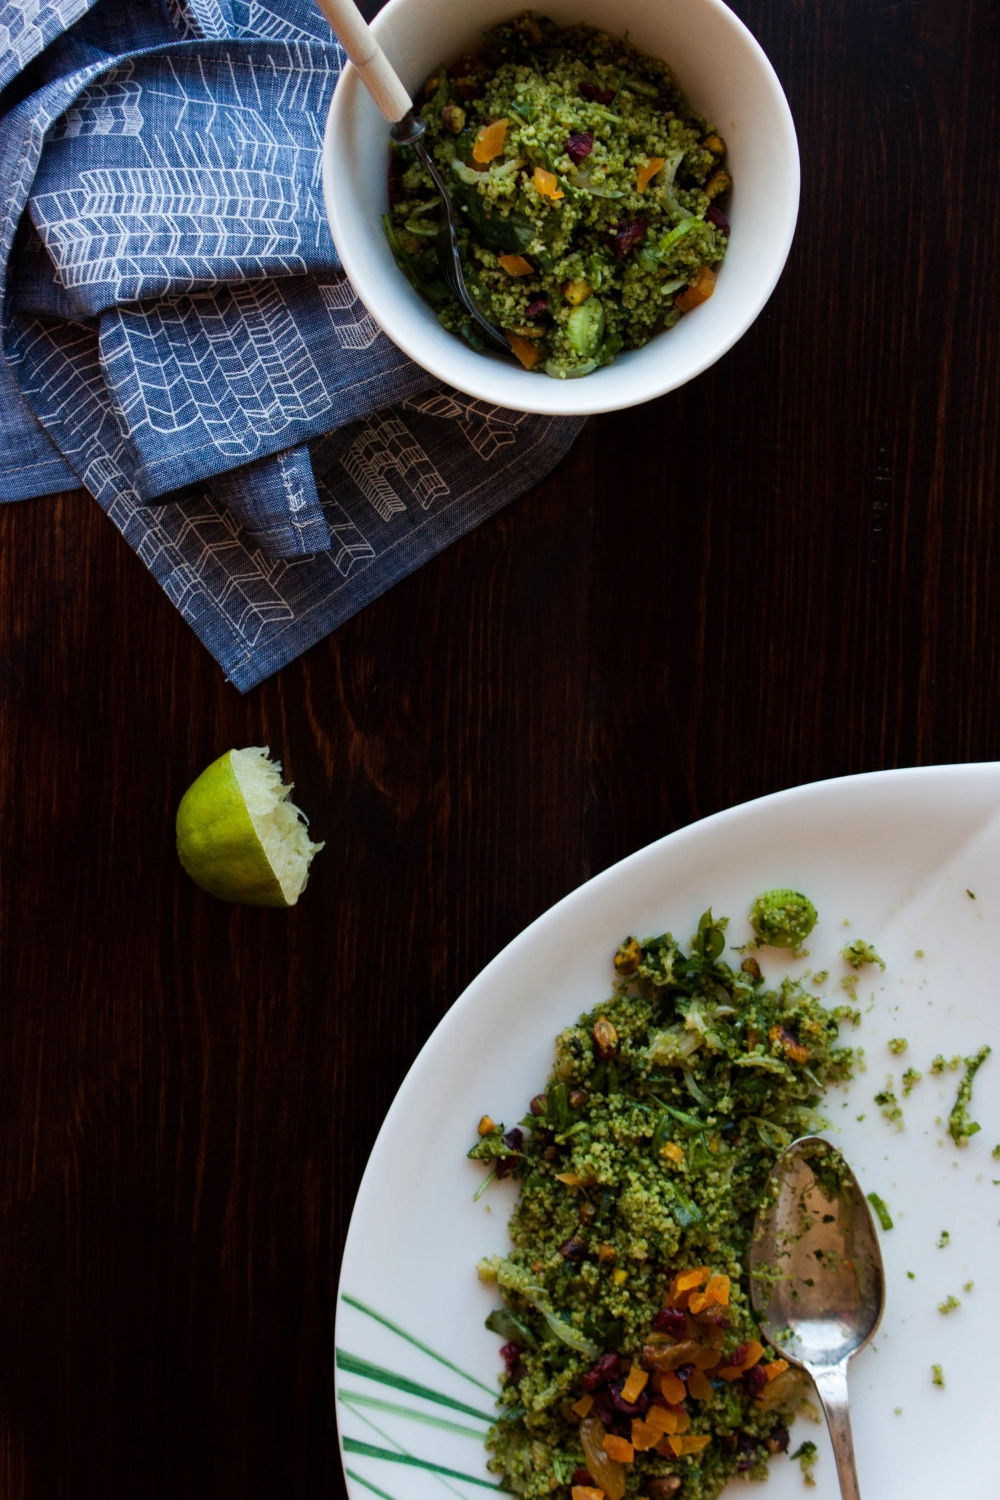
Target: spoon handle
{"x": 831, "y": 1387}
{"x": 377, "y": 73}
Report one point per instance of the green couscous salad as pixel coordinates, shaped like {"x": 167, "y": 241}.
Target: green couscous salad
{"x": 588, "y": 195}
{"x": 633, "y": 1362}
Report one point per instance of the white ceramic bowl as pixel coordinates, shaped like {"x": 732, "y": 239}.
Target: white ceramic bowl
{"x": 727, "y": 78}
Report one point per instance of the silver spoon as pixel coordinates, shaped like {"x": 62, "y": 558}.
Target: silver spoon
{"x": 816, "y": 1279}
{"x": 406, "y": 129}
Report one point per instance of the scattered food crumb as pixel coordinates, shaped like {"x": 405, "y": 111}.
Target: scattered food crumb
{"x": 941, "y": 1063}
{"x": 806, "y": 1454}
{"x": 919, "y": 953}
{"x": 960, "y": 1126}
{"x": 898, "y": 1044}
{"x": 881, "y": 1210}
{"x": 859, "y": 953}
{"x": 937, "y": 1376}
{"x": 944, "y": 1241}
{"x": 968, "y": 1286}
{"x": 897, "y": 1411}
{"x": 910, "y": 1080}
{"x": 889, "y": 1104}
{"x": 821, "y": 977}
{"x": 996, "y": 1152}
{"x": 949, "y": 1304}
{"x": 861, "y": 1117}
{"x": 848, "y": 1012}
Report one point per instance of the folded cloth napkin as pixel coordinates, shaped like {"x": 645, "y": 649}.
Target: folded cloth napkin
{"x": 179, "y": 336}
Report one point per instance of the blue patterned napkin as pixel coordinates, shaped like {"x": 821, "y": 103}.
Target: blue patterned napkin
{"x": 180, "y": 338}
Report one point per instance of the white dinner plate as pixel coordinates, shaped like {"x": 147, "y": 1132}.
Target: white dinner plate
{"x": 910, "y": 861}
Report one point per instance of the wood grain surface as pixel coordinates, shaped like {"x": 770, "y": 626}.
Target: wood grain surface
{"x": 787, "y": 570}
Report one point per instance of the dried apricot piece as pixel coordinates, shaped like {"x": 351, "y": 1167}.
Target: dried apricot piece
{"x": 489, "y": 141}
{"x": 619, "y": 1448}
{"x": 698, "y": 292}
{"x": 524, "y": 349}
{"x": 644, "y": 175}
{"x": 547, "y": 184}
{"x": 515, "y": 265}
{"x": 635, "y": 1384}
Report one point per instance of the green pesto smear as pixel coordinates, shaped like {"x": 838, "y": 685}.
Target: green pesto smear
{"x": 589, "y": 222}
{"x": 645, "y": 1158}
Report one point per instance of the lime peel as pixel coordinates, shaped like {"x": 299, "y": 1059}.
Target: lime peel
{"x": 238, "y": 835}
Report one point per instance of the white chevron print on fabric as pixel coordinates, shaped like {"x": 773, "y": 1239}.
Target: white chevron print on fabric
{"x": 354, "y": 331}
{"x": 107, "y": 108}
{"x": 387, "y": 446}
{"x": 241, "y": 386}
{"x": 222, "y": 182}
{"x": 255, "y": 19}
{"x": 487, "y": 428}
{"x": 199, "y": 18}
{"x": 27, "y": 27}
{"x": 119, "y": 228}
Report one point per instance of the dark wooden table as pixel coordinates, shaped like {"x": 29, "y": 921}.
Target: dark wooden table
{"x": 788, "y": 570}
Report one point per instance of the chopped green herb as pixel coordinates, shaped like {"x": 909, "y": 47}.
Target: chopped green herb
{"x": 937, "y": 1375}
{"x": 911, "y": 1275}
{"x": 898, "y": 1045}
{"x": 944, "y": 1241}
{"x": 859, "y": 953}
{"x": 910, "y": 1080}
{"x": 889, "y": 1104}
{"x": 806, "y": 1455}
{"x": 996, "y": 1152}
{"x": 949, "y": 1304}
{"x": 882, "y": 1212}
{"x": 960, "y": 1126}
{"x": 971, "y": 894}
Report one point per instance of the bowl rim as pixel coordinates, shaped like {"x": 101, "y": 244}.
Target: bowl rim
{"x": 576, "y": 397}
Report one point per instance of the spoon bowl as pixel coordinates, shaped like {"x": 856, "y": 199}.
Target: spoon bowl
{"x": 816, "y": 1278}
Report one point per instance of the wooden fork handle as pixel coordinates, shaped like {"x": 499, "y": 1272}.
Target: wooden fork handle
{"x": 377, "y": 73}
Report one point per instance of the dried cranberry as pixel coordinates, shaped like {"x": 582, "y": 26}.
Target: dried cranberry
{"x": 536, "y": 308}
{"x": 607, "y": 1368}
{"x": 739, "y": 1354}
{"x": 637, "y": 1408}
{"x": 583, "y": 1476}
{"x": 514, "y": 1139}
{"x": 671, "y": 1320}
{"x": 578, "y": 146}
{"x": 599, "y": 96}
{"x": 717, "y": 217}
{"x": 510, "y": 1354}
{"x": 746, "y": 1453}
{"x": 624, "y": 237}
{"x": 777, "y": 1439}
{"x": 506, "y": 1165}
{"x": 754, "y": 1380}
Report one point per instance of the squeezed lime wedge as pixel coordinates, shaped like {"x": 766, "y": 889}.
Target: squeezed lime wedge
{"x": 238, "y": 835}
